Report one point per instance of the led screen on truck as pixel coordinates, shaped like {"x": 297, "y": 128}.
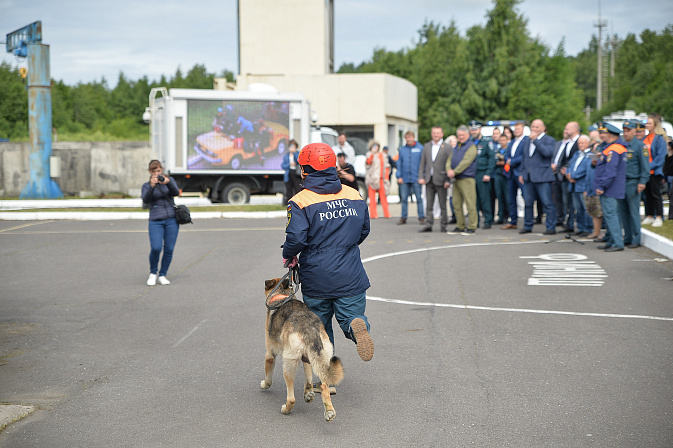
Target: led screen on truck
{"x": 236, "y": 135}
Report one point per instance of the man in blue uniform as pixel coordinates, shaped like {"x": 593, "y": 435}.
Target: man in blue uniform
{"x": 610, "y": 184}
{"x": 326, "y": 223}
{"x": 637, "y": 176}
{"x": 409, "y": 159}
{"x": 485, "y": 167}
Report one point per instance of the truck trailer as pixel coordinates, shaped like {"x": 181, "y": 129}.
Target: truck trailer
{"x": 229, "y": 144}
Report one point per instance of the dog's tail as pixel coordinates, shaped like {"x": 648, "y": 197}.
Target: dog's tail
{"x": 328, "y": 368}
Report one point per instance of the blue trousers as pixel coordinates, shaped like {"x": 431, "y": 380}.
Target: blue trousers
{"x": 513, "y": 186}
{"x": 533, "y": 192}
{"x": 581, "y": 212}
{"x": 163, "y": 234}
{"x": 345, "y": 309}
{"x": 629, "y": 212}
{"x": 405, "y": 190}
{"x": 612, "y": 221}
{"x": 502, "y": 195}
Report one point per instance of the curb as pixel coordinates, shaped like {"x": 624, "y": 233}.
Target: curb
{"x": 13, "y": 413}
{"x": 104, "y": 216}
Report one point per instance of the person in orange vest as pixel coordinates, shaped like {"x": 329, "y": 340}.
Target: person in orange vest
{"x": 655, "y": 142}
{"x": 377, "y": 179}
{"x": 610, "y": 184}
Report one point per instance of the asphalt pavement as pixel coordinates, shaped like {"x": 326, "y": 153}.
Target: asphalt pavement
{"x": 490, "y": 340}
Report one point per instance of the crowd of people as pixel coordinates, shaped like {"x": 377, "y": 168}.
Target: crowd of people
{"x": 581, "y": 183}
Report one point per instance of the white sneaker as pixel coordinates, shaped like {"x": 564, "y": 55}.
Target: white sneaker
{"x": 152, "y": 280}
{"x": 164, "y": 281}
{"x": 657, "y": 222}
{"x": 647, "y": 221}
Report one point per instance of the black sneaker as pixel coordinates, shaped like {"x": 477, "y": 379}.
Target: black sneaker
{"x": 458, "y": 230}
{"x": 468, "y": 231}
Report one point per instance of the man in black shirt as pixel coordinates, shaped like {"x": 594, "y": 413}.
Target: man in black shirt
{"x": 346, "y": 172}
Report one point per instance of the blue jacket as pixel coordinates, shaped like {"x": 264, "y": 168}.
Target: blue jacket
{"x": 515, "y": 162}
{"x": 161, "y": 207}
{"x": 610, "y": 174}
{"x": 459, "y": 154}
{"x": 325, "y": 225}
{"x": 579, "y": 174}
{"x": 408, "y": 162}
{"x": 637, "y": 162}
{"x": 286, "y": 164}
{"x": 658, "y": 152}
{"x": 538, "y": 167}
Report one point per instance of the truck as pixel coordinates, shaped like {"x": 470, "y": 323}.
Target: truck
{"x": 229, "y": 144}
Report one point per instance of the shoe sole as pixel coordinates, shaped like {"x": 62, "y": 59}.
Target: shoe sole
{"x": 363, "y": 339}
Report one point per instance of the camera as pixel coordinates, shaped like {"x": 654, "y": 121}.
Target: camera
{"x": 161, "y": 178}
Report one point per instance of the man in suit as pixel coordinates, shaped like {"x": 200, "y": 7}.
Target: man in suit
{"x": 513, "y": 159}
{"x": 537, "y": 177}
{"x": 432, "y": 174}
{"x": 561, "y": 192}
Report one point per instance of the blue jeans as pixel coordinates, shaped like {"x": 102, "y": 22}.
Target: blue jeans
{"x": 533, "y": 192}
{"x": 405, "y": 190}
{"x": 612, "y": 222}
{"x": 163, "y": 232}
{"x": 629, "y": 212}
{"x": 345, "y": 309}
{"x": 581, "y": 211}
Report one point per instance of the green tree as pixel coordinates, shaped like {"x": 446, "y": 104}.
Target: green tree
{"x": 13, "y": 103}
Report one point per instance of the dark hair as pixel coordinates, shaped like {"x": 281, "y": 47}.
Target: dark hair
{"x": 293, "y": 142}
{"x": 507, "y": 128}
{"x": 154, "y": 164}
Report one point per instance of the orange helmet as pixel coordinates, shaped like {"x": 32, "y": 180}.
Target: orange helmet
{"x": 318, "y": 156}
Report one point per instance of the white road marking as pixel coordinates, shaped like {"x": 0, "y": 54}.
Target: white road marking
{"x": 189, "y": 334}
{"x": 517, "y": 310}
{"x": 488, "y": 308}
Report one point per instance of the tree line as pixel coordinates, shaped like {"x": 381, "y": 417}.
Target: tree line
{"x": 92, "y": 111}
{"x": 494, "y": 71}
{"x": 498, "y": 71}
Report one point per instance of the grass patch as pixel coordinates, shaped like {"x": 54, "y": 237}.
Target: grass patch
{"x": 666, "y": 230}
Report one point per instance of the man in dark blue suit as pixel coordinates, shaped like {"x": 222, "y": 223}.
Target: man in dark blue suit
{"x": 513, "y": 159}
{"x": 537, "y": 177}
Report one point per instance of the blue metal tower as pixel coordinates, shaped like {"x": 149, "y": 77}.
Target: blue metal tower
{"x": 27, "y": 42}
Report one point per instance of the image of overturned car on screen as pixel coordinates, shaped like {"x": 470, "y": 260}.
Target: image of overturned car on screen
{"x": 233, "y": 135}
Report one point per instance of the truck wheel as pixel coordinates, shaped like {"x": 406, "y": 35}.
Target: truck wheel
{"x": 235, "y": 194}
{"x": 282, "y": 145}
{"x": 236, "y": 162}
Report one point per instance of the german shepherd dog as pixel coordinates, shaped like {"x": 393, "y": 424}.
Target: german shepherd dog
{"x": 298, "y": 335}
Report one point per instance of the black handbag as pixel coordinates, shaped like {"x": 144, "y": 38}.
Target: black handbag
{"x": 182, "y": 213}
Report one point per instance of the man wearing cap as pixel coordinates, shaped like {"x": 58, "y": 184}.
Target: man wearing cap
{"x": 610, "y": 184}
{"x": 640, "y": 131}
{"x": 485, "y": 167}
{"x": 637, "y": 175}
{"x": 537, "y": 176}
{"x": 326, "y": 223}
{"x": 408, "y": 162}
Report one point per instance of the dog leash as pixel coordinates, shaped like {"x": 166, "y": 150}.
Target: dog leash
{"x": 273, "y": 302}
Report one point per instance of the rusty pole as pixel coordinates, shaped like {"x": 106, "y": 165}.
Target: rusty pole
{"x": 40, "y": 184}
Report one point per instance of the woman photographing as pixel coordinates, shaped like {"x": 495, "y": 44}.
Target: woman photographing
{"x": 158, "y": 193}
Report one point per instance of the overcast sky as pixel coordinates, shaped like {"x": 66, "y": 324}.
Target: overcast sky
{"x": 94, "y": 39}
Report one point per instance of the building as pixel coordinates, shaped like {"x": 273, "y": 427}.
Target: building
{"x": 290, "y": 46}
